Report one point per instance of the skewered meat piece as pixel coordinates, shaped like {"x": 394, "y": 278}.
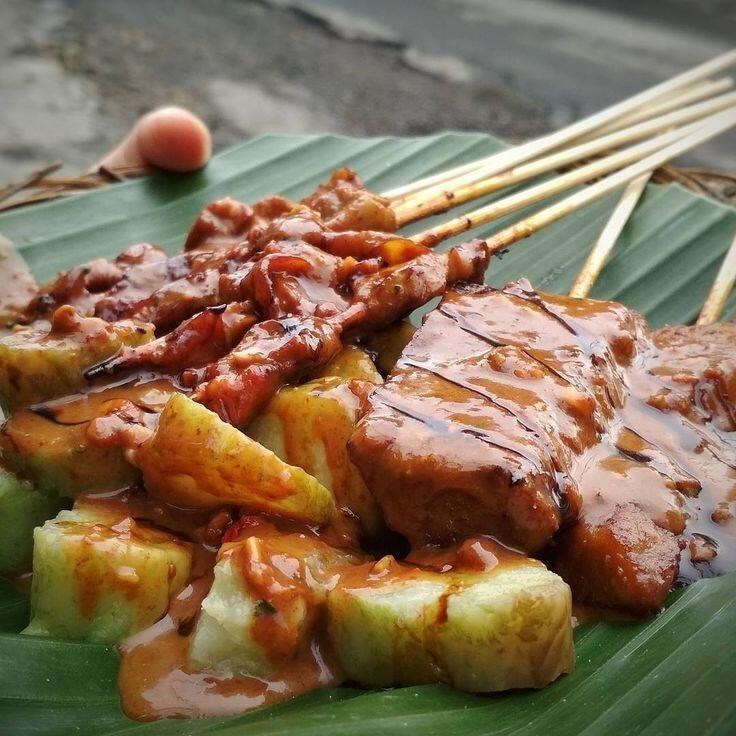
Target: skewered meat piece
{"x": 204, "y": 338}
{"x": 118, "y": 289}
{"x": 170, "y": 304}
{"x": 624, "y": 562}
{"x": 306, "y": 225}
{"x": 464, "y": 437}
{"x": 282, "y": 277}
{"x": 345, "y": 204}
{"x": 227, "y": 222}
{"x": 342, "y": 203}
{"x": 142, "y": 267}
{"x": 196, "y": 288}
{"x": 279, "y": 350}
{"x": 295, "y": 278}
{"x": 222, "y": 222}
{"x": 271, "y": 353}
{"x": 525, "y": 416}
{"x": 299, "y": 224}
{"x": 698, "y": 365}
{"x": 392, "y": 293}
{"x": 278, "y": 277}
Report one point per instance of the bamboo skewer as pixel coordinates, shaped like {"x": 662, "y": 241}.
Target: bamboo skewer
{"x": 445, "y": 195}
{"x": 476, "y": 184}
{"x": 512, "y": 234}
{"x": 526, "y": 151}
{"x": 546, "y": 189}
{"x": 608, "y": 237}
{"x": 721, "y": 289}
{"x": 681, "y": 98}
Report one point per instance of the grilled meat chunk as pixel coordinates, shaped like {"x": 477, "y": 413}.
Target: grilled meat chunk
{"x": 538, "y": 418}
{"x": 698, "y": 364}
{"x": 473, "y": 432}
{"x": 345, "y": 204}
{"x": 626, "y": 561}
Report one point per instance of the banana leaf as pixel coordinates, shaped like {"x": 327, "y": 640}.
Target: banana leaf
{"x": 669, "y": 675}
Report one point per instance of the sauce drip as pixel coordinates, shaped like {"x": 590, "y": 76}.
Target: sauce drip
{"x": 156, "y": 681}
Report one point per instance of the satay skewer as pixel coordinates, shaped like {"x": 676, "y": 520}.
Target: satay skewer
{"x": 519, "y": 154}
{"x": 721, "y": 289}
{"x": 609, "y": 236}
{"x": 478, "y": 183}
{"x": 546, "y": 189}
{"x": 223, "y": 214}
{"x": 546, "y": 216}
{"x": 275, "y": 351}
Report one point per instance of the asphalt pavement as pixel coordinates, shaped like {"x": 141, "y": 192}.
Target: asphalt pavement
{"x": 76, "y": 73}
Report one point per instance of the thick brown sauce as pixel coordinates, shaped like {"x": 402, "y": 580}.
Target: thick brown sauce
{"x": 155, "y": 680}
{"x": 147, "y": 391}
{"x": 695, "y": 462}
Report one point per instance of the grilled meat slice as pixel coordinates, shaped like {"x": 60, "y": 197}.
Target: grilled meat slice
{"x": 345, "y": 204}
{"x": 534, "y": 418}
{"x": 476, "y": 429}
{"x": 698, "y": 365}
{"x": 625, "y": 562}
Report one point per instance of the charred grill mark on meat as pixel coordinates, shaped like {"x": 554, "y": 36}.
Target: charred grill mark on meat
{"x": 652, "y": 474}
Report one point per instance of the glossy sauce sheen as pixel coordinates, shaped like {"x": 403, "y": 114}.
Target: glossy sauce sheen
{"x": 543, "y": 406}
{"x": 511, "y": 416}
{"x": 155, "y": 680}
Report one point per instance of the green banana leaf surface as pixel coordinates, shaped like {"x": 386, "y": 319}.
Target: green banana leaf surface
{"x": 670, "y": 675}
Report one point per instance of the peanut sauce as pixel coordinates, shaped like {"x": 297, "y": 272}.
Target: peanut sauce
{"x": 156, "y": 681}
{"x": 514, "y": 423}
{"x": 155, "y": 678}
{"x": 534, "y": 417}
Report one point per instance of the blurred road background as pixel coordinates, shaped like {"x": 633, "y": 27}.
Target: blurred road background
{"x": 76, "y": 73}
